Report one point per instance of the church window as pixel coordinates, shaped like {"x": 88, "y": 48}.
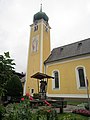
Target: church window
{"x": 32, "y": 90}
{"x": 81, "y": 77}
{"x": 35, "y": 28}
{"x": 56, "y": 80}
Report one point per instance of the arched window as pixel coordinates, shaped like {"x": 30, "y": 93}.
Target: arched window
{"x": 55, "y": 80}
{"x": 35, "y": 28}
{"x": 81, "y": 77}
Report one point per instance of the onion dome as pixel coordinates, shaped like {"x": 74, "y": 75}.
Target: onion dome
{"x": 40, "y": 15}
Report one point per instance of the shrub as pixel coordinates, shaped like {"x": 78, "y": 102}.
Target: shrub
{"x": 19, "y": 111}
{"x": 2, "y": 111}
{"x": 47, "y": 113}
{"x": 87, "y": 106}
{"x": 14, "y": 87}
{"x": 22, "y": 111}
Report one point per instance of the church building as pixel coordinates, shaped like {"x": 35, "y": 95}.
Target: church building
{"x": 69, "y": 64}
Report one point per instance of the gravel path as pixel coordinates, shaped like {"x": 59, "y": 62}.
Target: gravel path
{"x": 69, "y": 108}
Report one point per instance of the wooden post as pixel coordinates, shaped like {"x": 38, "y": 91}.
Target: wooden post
{"x": 38, "y": 85}
{"x": 47, "y": 84}
{"x": 88, "y": 93}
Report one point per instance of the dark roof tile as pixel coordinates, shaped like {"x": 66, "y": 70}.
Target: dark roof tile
{"x": 71, "y": 50}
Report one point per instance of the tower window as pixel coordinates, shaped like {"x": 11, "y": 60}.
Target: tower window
{"x": 35, "y": 28}
{"x": 56, "y": 80}
{"x": 46, "y": 28}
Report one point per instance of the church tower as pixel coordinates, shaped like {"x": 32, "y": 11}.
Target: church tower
{"x": 39, "y": 49}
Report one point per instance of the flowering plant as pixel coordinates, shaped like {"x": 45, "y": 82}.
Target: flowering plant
{"x": 82, "y": 112}
{"x": 47, "y": 113}
{"x": 22, "y": 99}
{"x": 24, "y": 111}
{"x": 19, "y": 111}
{"x": 27, "y": 94}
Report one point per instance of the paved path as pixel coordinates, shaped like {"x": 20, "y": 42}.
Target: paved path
{"x": 69, "y": 108}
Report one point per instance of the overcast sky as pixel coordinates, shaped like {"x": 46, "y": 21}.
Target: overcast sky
{"x": 69, "y": 20}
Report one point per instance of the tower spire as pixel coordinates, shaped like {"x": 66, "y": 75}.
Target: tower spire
{"x": 41, "y": 8}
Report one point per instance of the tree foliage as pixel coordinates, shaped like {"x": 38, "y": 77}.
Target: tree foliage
{"x": 6, "y": 71}
{"x": 14, "y": 87}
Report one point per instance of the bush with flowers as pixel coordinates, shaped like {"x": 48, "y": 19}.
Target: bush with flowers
{"x": 82, "y": 112}
{"x": 46, "y": 113}
{"x": 19, "y": 111}
{"x": 24, "y": 111}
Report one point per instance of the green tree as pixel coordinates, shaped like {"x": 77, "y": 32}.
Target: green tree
{"x": 14, "y": 87}
{"x": 6, "y": 71}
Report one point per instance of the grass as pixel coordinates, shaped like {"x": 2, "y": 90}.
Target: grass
{"x": 73, "y": 102}
{"x": 72, "y": 116}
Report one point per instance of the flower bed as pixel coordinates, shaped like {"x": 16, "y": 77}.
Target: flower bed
{"x": 82, "y": 112}
{"x": 23, "y": 111}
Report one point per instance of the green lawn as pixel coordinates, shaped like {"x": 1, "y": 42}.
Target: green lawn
{"x": 73, "y": 102}
{"x": 71, "y": 116}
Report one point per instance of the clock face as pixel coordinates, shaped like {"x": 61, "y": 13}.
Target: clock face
{"x": 35, "y": 44}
